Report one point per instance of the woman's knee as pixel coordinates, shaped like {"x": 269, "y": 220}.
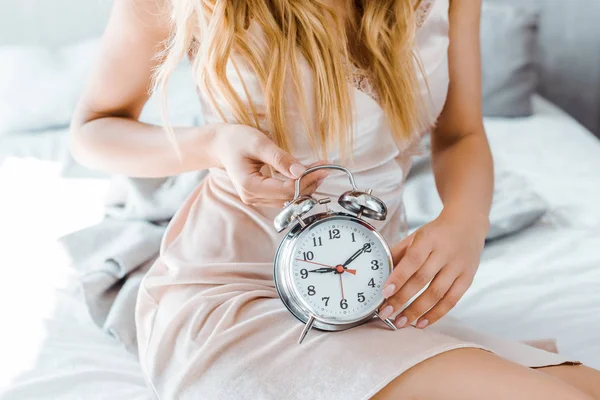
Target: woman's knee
{"x": 467, "y": 374}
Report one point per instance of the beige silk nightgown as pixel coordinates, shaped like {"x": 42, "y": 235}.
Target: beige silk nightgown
{"x": 210, "y": 324}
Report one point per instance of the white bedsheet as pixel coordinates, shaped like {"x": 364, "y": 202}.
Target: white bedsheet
{"x": 50, "y": 348}
{"x": 540, "y": 283}
{"x": 544, "y": 281}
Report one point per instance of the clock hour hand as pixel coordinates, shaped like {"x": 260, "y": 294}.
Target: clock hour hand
{"x": 354, "y": 256}
{"x": 322, "y": 270}
{"x": 326, "y": 270}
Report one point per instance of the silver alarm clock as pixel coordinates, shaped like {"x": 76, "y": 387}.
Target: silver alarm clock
{"x": 330, "y": 267}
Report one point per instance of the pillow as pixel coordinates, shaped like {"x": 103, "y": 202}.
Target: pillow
{"x": 40, "y": 87}
{"x": 515, "y": 206}
{"x": 508, "y": 42}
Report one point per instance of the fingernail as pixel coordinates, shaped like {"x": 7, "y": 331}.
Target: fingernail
{"x": 401, "y": 322}
{"x": 297, "y": 169}
{"x": 320, "y": 182}
{"x": 388, "y": 290}
{"x": 422, "y": 323}
{"x": 386, "y": 312}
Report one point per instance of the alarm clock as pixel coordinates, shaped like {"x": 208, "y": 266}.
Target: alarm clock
{"x": 330, "y": 267}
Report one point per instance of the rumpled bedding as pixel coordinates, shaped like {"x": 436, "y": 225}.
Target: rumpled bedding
{"x": 113, "y": 256}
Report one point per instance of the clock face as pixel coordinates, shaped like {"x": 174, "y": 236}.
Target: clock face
{"x": 339, "y": 266}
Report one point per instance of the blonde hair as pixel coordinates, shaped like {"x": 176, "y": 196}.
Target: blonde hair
{"x": 218, "y": 30}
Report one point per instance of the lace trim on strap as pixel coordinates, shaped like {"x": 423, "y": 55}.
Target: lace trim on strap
{"x": 423, "y": 11}
{"x": 361, "y": 81}
{"x": 360, "y": 78}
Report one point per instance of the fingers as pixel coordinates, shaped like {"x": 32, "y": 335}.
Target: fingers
{"x": 255, "y": 188}
{"x": 399, "y": 250}
{"x": 447, "y": 303}
{"x": 281, "y": 160}
{"x": 434, "y": 273}
{"x": 419, "y": 279}
{"x": 258, "y": 189}
{"x": 318, "y": 163}
{"x": 429, "y": 298}
{"x": 414, "y": 257}
{"x": 311, "y": 182}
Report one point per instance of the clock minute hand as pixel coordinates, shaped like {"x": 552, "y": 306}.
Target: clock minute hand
{"x": 355, "y": 255}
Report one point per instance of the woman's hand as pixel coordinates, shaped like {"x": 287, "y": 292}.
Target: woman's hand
{"x": 445, "y": 252}
{"x": 243, "y": 151}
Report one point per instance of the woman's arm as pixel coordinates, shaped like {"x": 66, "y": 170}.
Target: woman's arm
{"x": 445, "y": 253}
{"x": 105, "y": 133}
{"x": 462, "y": 162}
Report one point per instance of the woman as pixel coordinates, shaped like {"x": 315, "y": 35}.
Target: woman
{"x": 286, "y": 85}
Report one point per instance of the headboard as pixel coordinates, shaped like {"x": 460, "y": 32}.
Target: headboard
{"x": 569, "y": 56}
{"x": 569, "y": 45}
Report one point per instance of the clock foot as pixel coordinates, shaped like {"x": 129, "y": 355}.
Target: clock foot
{"x": 387, "y": 321}
{"x": 307, "y": 328}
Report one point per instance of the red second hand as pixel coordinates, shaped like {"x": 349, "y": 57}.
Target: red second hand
{"x": 342, "y": 286}
{"x": 312, "y": 262}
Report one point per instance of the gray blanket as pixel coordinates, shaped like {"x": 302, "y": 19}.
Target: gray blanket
{"x": 113, "y": 256}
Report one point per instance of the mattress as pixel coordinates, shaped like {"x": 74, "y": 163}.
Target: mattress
{"x": 540, "y": 283}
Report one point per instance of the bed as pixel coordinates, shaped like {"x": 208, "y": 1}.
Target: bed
{"x": 539, "y": 283}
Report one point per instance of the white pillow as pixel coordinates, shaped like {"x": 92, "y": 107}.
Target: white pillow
{"x": 515, "y": 205}
{"x": 40, "y": 87}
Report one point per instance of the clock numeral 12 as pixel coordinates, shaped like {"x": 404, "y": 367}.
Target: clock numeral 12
{"x": 334, "y": 234}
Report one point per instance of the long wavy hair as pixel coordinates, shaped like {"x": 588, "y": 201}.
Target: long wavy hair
{"x": 214, "y": 32}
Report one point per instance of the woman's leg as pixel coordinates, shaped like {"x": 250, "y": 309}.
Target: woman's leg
{"x": 584, "y": 378}
{"x": 473, "y": 374}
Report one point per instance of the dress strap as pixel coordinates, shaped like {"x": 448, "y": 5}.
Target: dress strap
{"x": 423, "y": 11}
{"x": 360, "y": 79}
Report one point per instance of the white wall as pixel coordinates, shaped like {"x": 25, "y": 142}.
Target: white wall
{"x": 51, "y": 22}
